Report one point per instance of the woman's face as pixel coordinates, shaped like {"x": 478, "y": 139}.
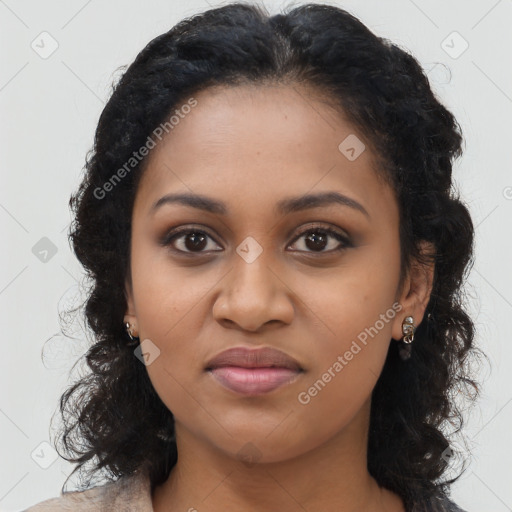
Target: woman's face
{"x": 262, "y": 270}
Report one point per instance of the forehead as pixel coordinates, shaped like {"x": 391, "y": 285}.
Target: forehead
{"x": 258, "y": 143}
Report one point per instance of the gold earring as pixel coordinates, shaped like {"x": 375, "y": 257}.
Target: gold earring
{"x": 408, "y": 329}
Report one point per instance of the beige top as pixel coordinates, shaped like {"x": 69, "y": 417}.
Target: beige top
{"x": 133, "y": 494}
{"x": 128, "y": 493}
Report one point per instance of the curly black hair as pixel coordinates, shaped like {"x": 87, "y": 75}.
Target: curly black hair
{"x": 383, "y": 91}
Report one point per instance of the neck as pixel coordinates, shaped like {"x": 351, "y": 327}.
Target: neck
{"x": 333, "y": 476}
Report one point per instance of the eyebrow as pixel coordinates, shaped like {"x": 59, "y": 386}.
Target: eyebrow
{"x": 284, "y": 207}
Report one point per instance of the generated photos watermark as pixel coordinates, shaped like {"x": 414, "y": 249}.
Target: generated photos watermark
{"x": 143, "y": 151}
{"x": 305, "y": 397}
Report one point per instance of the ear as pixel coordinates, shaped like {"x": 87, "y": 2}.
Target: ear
{"x": 130, "y": 315}
{"x": 415, "y": 292}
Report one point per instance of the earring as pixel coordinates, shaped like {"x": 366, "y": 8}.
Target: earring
{"x": 408, "y": 329}
{"x": 134, "y": 339}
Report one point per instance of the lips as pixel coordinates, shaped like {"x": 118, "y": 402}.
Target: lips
{"x": 253, "y": 372}
{"x": 243, "y": 357}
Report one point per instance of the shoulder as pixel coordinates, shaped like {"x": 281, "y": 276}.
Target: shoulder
{"x": 78, "y": 500}
{"x": 131, "y": 492}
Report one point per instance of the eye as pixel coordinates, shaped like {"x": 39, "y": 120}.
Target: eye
{"x": 317, "y": 239}
{"x": 322, "y": 239}
{"x": 189, "y": 240}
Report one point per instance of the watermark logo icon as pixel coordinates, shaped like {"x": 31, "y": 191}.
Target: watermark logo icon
{"x": 249, "y": 249}
{"x": 147, "y": 352}
{"x": 249, "y": 454}
{"x": 44, "y": 455}
{"x": 44, "y": 45}
{"x": 351, "y": 147}
{"x": 454, "y": 45}
{"x": 44, "y": 250}
{"x": 447, "y": 454}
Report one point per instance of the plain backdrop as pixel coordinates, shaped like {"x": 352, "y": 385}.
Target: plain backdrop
{"x": 58, "y": 60}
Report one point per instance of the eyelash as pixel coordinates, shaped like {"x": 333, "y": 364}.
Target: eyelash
{"x": 178, "y": 233}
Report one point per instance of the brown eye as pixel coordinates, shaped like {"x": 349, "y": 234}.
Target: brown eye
{"x": 189, "y": 241}
{"x": 323, "y": 240}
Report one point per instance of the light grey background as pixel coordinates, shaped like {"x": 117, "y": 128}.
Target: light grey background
{"x": 49, "y": 111}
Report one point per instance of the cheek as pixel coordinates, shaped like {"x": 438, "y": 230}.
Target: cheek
{"x": 350, "y": 358}
{"x": 165, "y": 293}
{"x": 359, "y": 307}
{"x": 356, "y": 295}
{"x": 173, "y": 325}
{"x": 167, "y": 301}
{"x": 348, "y": 364}
{"x": 172, "y": 318}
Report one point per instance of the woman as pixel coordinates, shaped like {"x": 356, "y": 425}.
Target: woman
{"x": 276, "y": 256}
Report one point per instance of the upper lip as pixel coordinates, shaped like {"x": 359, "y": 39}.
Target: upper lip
{"x": 244, "y": 357}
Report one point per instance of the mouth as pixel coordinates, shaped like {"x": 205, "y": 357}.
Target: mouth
{"x": 253, "y": 371}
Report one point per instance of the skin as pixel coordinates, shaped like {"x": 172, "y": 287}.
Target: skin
{"x": 250, "y": 147}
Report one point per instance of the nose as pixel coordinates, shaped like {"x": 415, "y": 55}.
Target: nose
{"x": 253, "y": 295}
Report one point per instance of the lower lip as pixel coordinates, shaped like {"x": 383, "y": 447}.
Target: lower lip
{"x": 253, "y": 381}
